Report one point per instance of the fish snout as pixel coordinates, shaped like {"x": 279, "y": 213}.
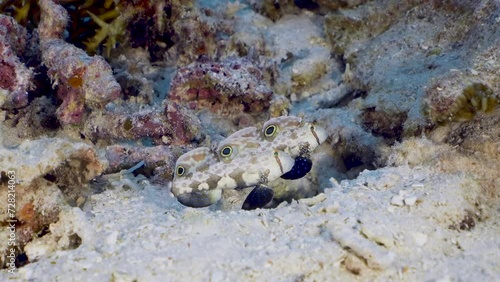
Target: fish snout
{"x": 319, "y": 133}
{"x": 284, "y": 160}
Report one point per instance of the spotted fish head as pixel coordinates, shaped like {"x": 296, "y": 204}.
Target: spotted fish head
{"x": 196, "y": 160}
{"x": 192, "y": 170}
{"x": 245, "y": 162}
{"x": 272, "y": 128}
{"x": 292, "y": 135}
{"x": 237, "y": 148}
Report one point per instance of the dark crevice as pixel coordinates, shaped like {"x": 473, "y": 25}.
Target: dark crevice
{"x": 50, "y": 177}
{"x": 383, "y": 124}
{"x": 22, "y": 260}
{"x": 353, "y": 94}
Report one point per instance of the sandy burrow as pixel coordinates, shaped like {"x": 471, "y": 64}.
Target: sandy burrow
{"x": 395, "y": 223}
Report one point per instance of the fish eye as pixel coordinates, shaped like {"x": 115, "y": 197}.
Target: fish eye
{"x": 312, "y": 128}
{"x": 270, "y": 130}
{"x": 180, "y": 170}
{"x": 226, "y": 151}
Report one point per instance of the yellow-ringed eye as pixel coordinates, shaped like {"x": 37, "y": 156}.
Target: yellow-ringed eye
{"x": 226, "y": 151}
{"x": 180, "y": 170}
{"x": 270, "y": 130}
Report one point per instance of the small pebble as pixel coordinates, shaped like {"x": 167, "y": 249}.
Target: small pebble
{"x": 314, "y": 200}
{"x": 410, "y": 201}
{"x": 334, "y": 182}
{"x": 80, "y": 201}
{"x": 420, "y": 238}
{"x": 397, "y": 200}
{"x": 112, "y": 238}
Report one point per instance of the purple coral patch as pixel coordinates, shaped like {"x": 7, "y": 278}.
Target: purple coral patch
{"x": 15, "y": 77}
{"x": 232, "y": 86}
{"x": 83, "y": 80}
{"x": 7, "y": 76}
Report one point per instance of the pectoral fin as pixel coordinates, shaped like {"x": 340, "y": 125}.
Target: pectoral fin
{"x": 259, "y": 197}
{"x": 300, "y": 168}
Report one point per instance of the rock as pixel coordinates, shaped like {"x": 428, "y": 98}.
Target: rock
{"x": 228, "y": 87}
{"x": 53, "y": 20}
{"x": 410, "y": 201}
{"x": 376, "y": 257}
{"x": 303, "y": 57}
{"x": 35, "y": 159}
{"x": 158, "y": 160}
{"x": 49, "y": 174}
{"x": 420, "y": 239}
{"x": 82, "y": 81}
{"x": 15, "y": 77}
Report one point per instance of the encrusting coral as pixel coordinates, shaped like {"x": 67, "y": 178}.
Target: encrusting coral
{"x": 227, "y": 87}
{"x": 173, "y": 125}
{"x": 455, "y": 97}
{"x": 15, "y": 77}
{"x": 49, "y": 181}
{"x": 82, "y": 81}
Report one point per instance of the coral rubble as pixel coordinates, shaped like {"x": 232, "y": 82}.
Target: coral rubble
{"x": 47, "y": 182}
{"x": 454, "y": 97}
{"x": 232, "y": 86}
{"x": 81, "y": 80}
{"x": 53, "y": 20}
{"x": 158, "y": 160}
{"x": 15, "y": 78}
{"x": 109, "y": 125}
{"x": 174, "y": 125}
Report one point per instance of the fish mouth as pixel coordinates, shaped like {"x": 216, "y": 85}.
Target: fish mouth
{"x": 200, "y": 199}
{"x": 319, "y": 134}
{"x": 278, "y": 160}
{"x": 315, "y": 136}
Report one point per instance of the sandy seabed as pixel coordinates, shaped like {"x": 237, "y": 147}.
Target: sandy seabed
{"x": 420, "y": 203}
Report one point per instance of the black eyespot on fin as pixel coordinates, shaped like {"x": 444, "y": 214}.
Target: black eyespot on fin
{"x": 300, "y": 168}
{"x": 259, "y": 197}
